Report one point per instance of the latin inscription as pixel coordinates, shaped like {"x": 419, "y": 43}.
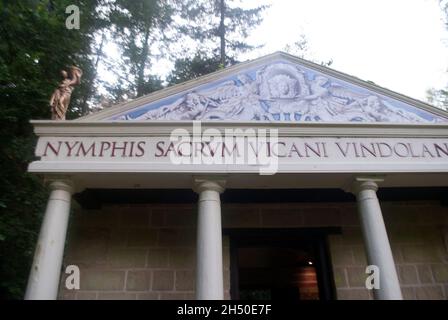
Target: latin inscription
{"x": 79, "y": 149}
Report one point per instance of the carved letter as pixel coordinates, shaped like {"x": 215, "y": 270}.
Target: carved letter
{"x": 365, "y": 148}
{"x": 123, "y": 149}
{"x": 84, "y": 151}
{"x": 426, "y": 150}
{"x": 55, "y": 151}
{"x": 104, "y": 146}
{"x": 381, "y": 151}
{"x": 315, "y": 151}
{"x": 439, "y": 148}
{"x": 275, "y": 149}
{"x": 344, "y": 152}
{"x": 401, "y": 154}
{"x": 294, "y": 149}
{"x": 70, "y": 148}
{"x": 159, "y": 147}
{"x": 140, "y": 147}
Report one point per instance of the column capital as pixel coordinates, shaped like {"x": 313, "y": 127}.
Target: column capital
{"x": 364, "y": 183}
{"x": 209, "y": 183}
{"x": 60, "y": 183}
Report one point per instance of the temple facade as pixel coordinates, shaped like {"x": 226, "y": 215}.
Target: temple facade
{"x": 275, "y": 179}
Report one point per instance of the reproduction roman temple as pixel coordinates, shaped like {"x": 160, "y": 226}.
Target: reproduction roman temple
{"x": 275, "y": 179}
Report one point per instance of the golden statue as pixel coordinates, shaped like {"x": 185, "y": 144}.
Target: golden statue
{"x": 60, "y": 99}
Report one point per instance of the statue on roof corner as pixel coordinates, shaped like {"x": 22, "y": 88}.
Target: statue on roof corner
{"x": 60, "y": 99}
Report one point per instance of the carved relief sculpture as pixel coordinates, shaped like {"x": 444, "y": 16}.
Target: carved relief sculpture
{"x": 60, "y": 99}
{"x": 282, "y": 92}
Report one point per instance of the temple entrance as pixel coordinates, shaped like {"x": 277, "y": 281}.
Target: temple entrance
{"x": 280, "y": 264}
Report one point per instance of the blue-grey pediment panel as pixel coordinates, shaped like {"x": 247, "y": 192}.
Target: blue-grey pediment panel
{"x": 281, "y": 91}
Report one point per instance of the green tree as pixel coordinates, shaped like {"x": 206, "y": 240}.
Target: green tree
{"x": 220, "y": 27}
{"x": 139, "y": 28}
{"x": 439, "y": 98}
{"x": 216, "y": 31}
{"x": 190, "y": 68}
{"x": 34, "y": 46}
{"x": 301, "y": 49}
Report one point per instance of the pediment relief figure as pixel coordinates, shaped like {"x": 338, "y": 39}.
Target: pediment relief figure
{"x": 281, "y": 92}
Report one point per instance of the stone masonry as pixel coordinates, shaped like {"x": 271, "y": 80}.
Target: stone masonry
{"x": 148, "y": 251}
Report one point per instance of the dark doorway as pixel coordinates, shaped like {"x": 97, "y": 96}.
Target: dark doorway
{"x": 281, "y": 264}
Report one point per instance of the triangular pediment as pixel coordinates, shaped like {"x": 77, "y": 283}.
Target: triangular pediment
{"x": 278, "y": 87}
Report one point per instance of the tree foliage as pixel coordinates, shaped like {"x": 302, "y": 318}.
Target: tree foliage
{"x": 200, "y": 36}
{"x": 34, "y": 46}
{"x": 190, "y": 68}
{"x": 137, "y": 26}
{"x": 220, "y": 26}
{"x": 218, "y": 30}
{"x": 301, "y": 49}
{"x": 439, "y": 97}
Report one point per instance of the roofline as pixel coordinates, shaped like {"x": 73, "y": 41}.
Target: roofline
{"x": 188, "y": 85}
{"x": 368, "y": 85}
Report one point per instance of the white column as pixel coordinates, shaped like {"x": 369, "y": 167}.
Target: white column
{"x": 376, "y": 240}
{"x": 209, "y": 270}
{"x": 45, "y": 272}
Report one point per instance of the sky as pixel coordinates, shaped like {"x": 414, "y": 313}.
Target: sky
{"x": 401, "y": 45}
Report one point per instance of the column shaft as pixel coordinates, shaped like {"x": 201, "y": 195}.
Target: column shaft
{"x": 376, "y": 241}
{"x": 209, "y": 269}
{"x": 45, "y": 272}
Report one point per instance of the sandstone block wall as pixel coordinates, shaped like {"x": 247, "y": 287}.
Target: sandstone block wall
{"x": 148, "y": 251}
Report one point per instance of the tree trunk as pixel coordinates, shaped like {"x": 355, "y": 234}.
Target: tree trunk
{"x": 89, "y": 93}
{"x": 222, "y": 32}
{"x": 141, "y": 71}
